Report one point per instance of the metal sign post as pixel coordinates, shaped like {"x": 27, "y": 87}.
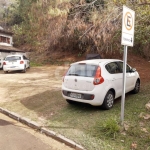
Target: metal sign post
{"x": 124, "y": 83}
{"x": 126, "y": 40}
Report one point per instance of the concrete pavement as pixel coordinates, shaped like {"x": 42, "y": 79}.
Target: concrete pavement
{"x": 16, "y": 136}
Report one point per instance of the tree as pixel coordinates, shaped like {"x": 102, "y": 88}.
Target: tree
{"x": 78, "y": 25}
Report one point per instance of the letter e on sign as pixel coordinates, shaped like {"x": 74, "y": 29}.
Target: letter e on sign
{"x": 127, "y": 26}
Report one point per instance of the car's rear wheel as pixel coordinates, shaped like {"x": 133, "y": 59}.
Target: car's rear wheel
{"x": 24, "y": 70}
{"x": 70, "y": 101}
{"x": 137, "y": 87}
{"x": 5, "y": 72}
{"x": 108, "y": 100}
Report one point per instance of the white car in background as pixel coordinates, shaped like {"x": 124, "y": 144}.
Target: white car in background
{"x": 15, "y": 62}
{"x": 98, "y": 82}
{"x": 1, "y": 63}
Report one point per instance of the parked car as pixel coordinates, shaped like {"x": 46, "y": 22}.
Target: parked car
{"x": 1, "y": 63}
{"x": 15, "y": 62}
{"x": 98, "y": 82}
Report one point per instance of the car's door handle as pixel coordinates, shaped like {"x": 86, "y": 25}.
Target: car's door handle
{"x": 113, "y": 79}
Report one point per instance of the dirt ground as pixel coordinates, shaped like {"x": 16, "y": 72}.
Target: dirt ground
{"x": 142, "y": 66}
{"x": 36, "y": 80}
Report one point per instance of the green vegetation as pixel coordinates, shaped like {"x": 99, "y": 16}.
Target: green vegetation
{"x": 35, "y": 64}
{"x": 90, "y": 126}
{"x": 110, "y": 127}
{"x": 76, "y": 26}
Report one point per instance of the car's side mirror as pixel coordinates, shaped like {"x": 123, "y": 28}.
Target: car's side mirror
{"x": 132, "y": 70}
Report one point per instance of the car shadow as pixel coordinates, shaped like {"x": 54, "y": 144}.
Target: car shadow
{"x": 14, "y": 72}
{"x": 52, "y": 101}
{"x": 50, "y": 106}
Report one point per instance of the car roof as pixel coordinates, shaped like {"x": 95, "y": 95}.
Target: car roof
{"x": 96, "y": 61}
{"x": 14, "y": 55}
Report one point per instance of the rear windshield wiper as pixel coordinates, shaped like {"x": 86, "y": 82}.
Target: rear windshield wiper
{"x": 73, "y": 74}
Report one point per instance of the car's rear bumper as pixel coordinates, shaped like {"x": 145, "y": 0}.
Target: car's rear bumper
{"x": 13, "y": 68}
{"x": 94, "y": 97}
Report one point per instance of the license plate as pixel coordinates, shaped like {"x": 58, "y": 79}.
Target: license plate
{"x": 75, "y": 95}
{"x": 12, "y": 66}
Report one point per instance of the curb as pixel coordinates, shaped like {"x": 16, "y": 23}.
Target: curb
{"x": 42, "y": 130}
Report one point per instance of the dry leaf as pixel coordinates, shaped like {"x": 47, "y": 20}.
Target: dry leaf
{"x": 133, "y": 146}
{"x": 141, "y": 115}
{"x": 144, "y": 130}
{"x": 146, "y": 117}
{"x": 147, "y": 106}
{"x": 123, "y": 133}
{"x": 141, "y": 124}
{"x": 126, "y": 127}
{"x": 52, "y": 114}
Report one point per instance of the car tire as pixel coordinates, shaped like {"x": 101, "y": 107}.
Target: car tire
{"x": 5, "y": 72}
{"x": 108, "y": 100}
{"x": 70, "y": 101}
{"x": 24, "y": 70}
{"x": 137, "y": 87}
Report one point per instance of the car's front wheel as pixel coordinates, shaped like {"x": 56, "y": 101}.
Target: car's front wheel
{"x": 137, "y": 87}
{"x": 108, "y": 100}
{"x": 24, "y": 70}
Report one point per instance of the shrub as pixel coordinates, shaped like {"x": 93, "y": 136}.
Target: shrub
{"x": 109, "y": 127}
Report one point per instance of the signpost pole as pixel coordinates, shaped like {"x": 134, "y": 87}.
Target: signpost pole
{"x": 127, "y": 39}
{"x": 124, "y": 83}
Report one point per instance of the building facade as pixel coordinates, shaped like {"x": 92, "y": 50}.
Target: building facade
{"x": 6, "y": 45}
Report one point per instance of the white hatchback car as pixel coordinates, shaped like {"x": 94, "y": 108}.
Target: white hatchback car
{"x": 1, "y": 63}
{"x": 15, "y": 62}
{"x": 98, "y": 82}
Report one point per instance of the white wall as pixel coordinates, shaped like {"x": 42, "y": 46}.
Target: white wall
{"x": 4, "y": 54}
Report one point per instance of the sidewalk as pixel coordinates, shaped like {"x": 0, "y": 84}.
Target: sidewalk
{"x": 16, "y": 136}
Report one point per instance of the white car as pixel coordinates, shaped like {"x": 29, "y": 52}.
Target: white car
{"x": 1, "y": 63}
{"x": 15, "y": 62}
{"x": 98, "y": 82}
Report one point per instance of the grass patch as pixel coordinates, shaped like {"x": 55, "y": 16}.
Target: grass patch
{"x": 92, "y": 127}
{"x": 56, "y": 62}
{"x": 110, "y": 127}
{"x": 35, "y": 64}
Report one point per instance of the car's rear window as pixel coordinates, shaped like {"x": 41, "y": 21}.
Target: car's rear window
{"x": 13, "y": 58}
{"x": 84, "y": 70}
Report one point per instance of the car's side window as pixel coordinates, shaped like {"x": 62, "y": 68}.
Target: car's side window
{"x": 128, "y": 68}
{"x": 113, "y": 68}
{"x": 121, "y": 67}
{"x": 25, "y": 58}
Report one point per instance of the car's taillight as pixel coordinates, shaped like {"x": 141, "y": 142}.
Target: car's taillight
{"x": 4, "y": 63}
{"x": 63, "y": 78}
{"x": 21, "y": 62}
{"x": 98, "y": 79}
{"x": 65, "y": 75}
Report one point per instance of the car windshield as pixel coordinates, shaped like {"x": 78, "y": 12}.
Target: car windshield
{"x": 13, "y": 58}
{"x": 84, "y": 70}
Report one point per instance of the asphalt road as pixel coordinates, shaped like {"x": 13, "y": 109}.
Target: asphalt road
{"x": 16, "y": 136}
